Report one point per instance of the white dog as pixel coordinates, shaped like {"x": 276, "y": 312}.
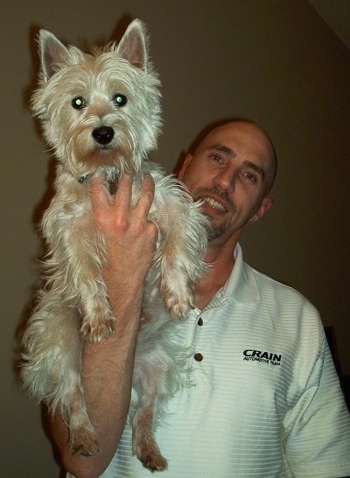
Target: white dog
{"x": 100, "y": 113}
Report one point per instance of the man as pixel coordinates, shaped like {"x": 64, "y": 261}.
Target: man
{"x": 265, "y": 399}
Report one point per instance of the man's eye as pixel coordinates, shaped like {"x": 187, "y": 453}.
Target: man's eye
{"x": 216, "y": 158}
{"x": 120, "y": 100}
{"x": 250, "y": 177}
{"x": 79, "y": 103}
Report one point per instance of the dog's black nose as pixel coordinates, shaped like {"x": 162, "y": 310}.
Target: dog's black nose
{"x": 103, "y": 134}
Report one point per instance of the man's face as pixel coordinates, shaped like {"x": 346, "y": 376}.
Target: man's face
{"x": 231, "y": 172}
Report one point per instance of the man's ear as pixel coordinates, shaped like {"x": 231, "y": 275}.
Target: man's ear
{"x": 264, "y": 207}
{"x": 183, "y": 168}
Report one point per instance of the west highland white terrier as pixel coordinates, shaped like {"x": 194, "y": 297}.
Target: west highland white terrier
{"x": 100, "y": 113}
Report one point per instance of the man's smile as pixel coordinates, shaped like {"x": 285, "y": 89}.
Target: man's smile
{"x": 214, "y": 204}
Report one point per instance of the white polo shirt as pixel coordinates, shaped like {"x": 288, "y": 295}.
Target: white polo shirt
{"x": 265, "y": 400}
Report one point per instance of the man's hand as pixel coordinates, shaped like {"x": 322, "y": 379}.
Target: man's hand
{"x": 129, "y": 236}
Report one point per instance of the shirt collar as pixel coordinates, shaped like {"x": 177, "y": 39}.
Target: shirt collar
{"x": 241, "y": 285}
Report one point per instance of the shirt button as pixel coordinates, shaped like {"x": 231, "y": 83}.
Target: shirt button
{"x": 200, "y": 321}
{"x": 199, "y": 357}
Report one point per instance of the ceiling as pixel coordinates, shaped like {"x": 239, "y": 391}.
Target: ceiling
{"x": 336, "y": 13}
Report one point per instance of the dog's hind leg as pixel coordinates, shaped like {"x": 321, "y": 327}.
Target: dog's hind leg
{"x": 146, "y": 406}
{"x": 82, "y": 437}
{"x": 144, "y": 444}
{"x": 51, "y": 368}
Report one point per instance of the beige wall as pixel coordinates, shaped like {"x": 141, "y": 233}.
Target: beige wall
{"x": 274, "y": 61}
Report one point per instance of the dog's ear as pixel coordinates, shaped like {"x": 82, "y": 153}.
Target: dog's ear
{"x": 133, "y": 45}
{"x": 54, "y": 55}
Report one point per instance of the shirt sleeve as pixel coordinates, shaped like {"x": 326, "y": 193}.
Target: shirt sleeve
{"x": 317, "y": 440}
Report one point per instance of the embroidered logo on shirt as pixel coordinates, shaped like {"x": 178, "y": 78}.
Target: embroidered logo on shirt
{"x": 270, "y": 358}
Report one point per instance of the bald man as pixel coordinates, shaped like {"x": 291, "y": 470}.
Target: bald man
{"x": 265, "y": 400}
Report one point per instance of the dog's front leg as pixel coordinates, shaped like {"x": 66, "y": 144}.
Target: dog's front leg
{"x": 181, "y": 253}
{"x": 76, "y": 258}
{"x": 97, "y": 320}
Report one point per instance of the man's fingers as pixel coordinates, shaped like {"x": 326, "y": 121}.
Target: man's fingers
{"x": 122, "y": 199}
{"x": 121, "y": 207}
{"x": 147, "y": 194}
{"x": 100, "y": 197}
{"x": 98, "y": 194}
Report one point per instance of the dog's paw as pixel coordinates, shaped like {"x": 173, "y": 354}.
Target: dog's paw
{"x": 152, "y": 460}
{"x": 179, "y": 307}
{"x": 145, "y": 447}
{"x": 99, "y": 331}
{"x": 177, "y": 295}
{"x": 84, "y": 443}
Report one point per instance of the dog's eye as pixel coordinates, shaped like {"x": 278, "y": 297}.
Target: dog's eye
{"x": 120, "y": 100}
{"x": 78, "y": 103}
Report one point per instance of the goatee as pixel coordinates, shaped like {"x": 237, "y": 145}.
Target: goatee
{"x": 214, "y": 231}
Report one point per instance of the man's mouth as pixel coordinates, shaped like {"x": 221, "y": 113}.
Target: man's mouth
{"x": 214, "y": 204}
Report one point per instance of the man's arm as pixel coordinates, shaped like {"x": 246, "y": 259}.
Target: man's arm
{"x": 107, "y": 367}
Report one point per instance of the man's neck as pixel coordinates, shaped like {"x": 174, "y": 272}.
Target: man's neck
{"x": 220, "y": 264}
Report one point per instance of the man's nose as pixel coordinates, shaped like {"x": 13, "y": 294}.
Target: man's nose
{"x": 225, "y": 180}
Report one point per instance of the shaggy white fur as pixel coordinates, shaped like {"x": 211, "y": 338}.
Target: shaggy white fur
{"x": 100, "y": 113}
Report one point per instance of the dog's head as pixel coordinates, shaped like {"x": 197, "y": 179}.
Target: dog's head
{"x": 101, "y": 108}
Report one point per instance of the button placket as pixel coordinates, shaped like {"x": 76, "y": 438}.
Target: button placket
{"x": 198, "y": 356}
